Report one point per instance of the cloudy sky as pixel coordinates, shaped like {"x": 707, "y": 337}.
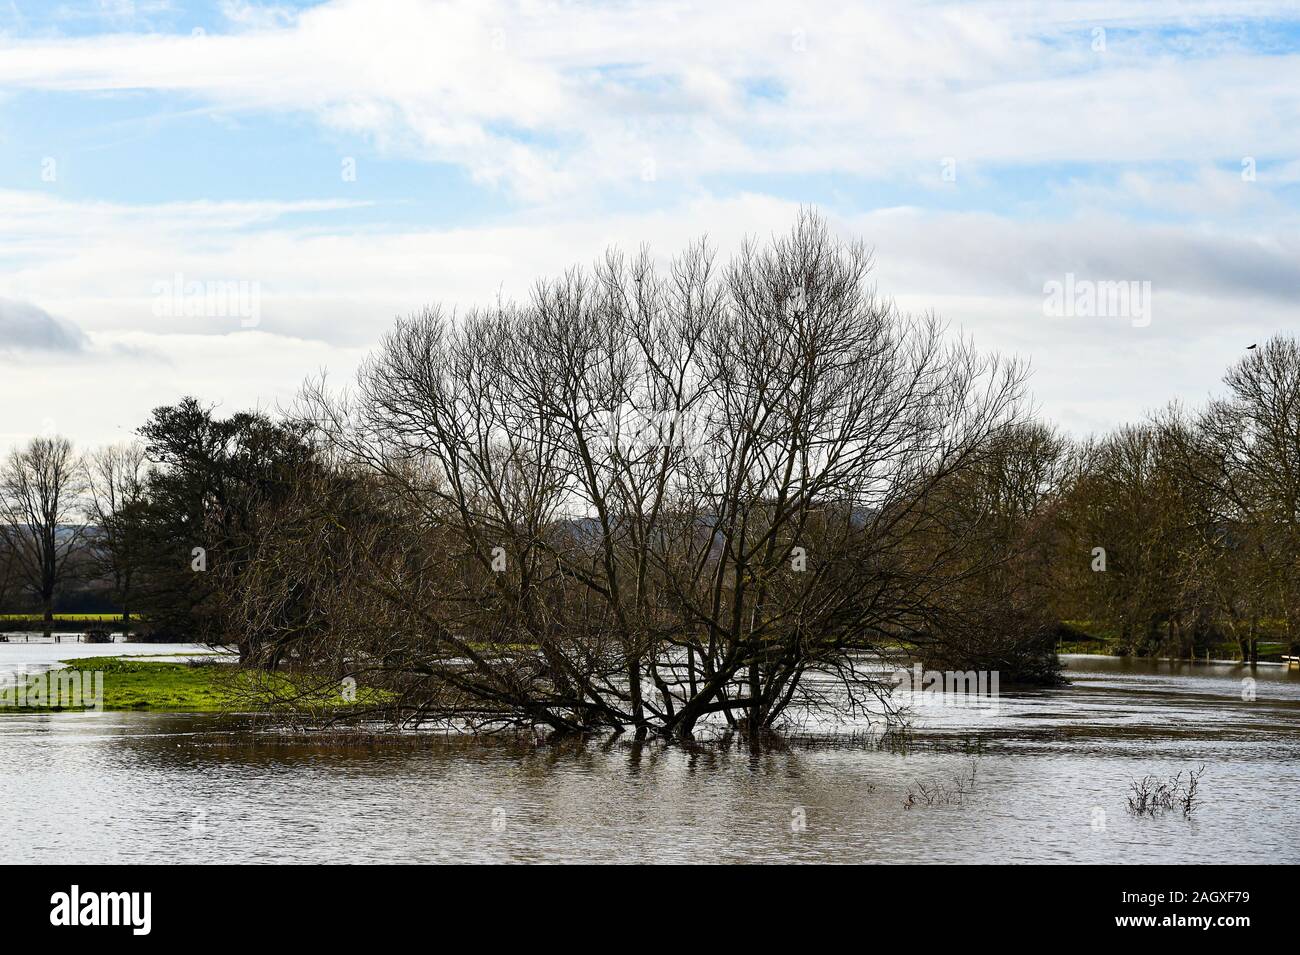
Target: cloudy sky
{"x": 219, "y": 199}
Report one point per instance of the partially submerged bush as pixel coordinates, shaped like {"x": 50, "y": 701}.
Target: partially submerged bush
{"x": 936, "y": 792}
{"x": 1152, "y": 795}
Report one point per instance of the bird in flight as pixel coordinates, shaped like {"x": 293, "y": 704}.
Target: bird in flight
{"x": 1250, "y": 348}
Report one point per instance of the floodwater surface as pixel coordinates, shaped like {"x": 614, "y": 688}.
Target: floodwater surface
{"x": 1043, "y": 777}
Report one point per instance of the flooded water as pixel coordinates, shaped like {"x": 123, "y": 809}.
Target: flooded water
{"x": 25, "y": 653}
{"x": 1051, "y": 771}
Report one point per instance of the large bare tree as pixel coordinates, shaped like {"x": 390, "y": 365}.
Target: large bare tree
{"x": 642, "y": 499}
{"x": 41, "y": 489}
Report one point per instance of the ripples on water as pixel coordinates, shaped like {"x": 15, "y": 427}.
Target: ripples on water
{"x": 1051, "y": 767}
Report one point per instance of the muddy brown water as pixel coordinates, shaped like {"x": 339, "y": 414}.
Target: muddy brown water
{"x": 1051, "y": 772}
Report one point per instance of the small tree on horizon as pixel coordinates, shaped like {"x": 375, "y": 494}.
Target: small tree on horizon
{"x": 115, "y": 479}
{"x": 41, "y": 491}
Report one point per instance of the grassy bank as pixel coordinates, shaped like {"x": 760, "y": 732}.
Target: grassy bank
{"x": 203, "y": 686}
{"x": 1086, "y": 637}
{"x": 130, "y": 684}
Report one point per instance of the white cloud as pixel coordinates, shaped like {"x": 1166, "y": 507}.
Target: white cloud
{"x": 564, "y": 104}
{"x": 550, "y": 99}
{"x": 105, "y": 394}
{"x": 327, "y": 296}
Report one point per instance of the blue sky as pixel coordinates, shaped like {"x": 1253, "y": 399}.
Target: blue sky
{"x": 983, "y": 149}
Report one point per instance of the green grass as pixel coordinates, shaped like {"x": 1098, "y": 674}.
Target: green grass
{"x": 1088, "y": 637}
{"x": 134, "y": 684}
{"x": 66, "y": 622}
{"x": 146, "y": 685}
{"x": 66, "y": 617}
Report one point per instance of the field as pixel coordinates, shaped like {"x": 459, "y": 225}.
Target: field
{"x": 1087, "y": 637}
{"x": 64, "y": 622}
{"x": 204, "y": 685}
{"x": 65, "y": 617}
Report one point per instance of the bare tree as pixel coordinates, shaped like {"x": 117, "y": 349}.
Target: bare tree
{"x": 640, "y": 500}
{"x": 8, "y": 573}
{"x": 1247, "y": 449}
{"x": 40, "y": 498}
{"x": 998, "y": 522}
{"x": 1125, "y": 503}
{"x": 115, "y": 479}
{"x": 1197, "y": 513}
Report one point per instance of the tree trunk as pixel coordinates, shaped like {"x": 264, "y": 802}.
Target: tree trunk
{"x": 634, "y": 690}
{"x": 755, "y": 702}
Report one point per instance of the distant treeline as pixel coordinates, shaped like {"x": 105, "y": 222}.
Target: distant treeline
{"x": 647, "y": 499}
